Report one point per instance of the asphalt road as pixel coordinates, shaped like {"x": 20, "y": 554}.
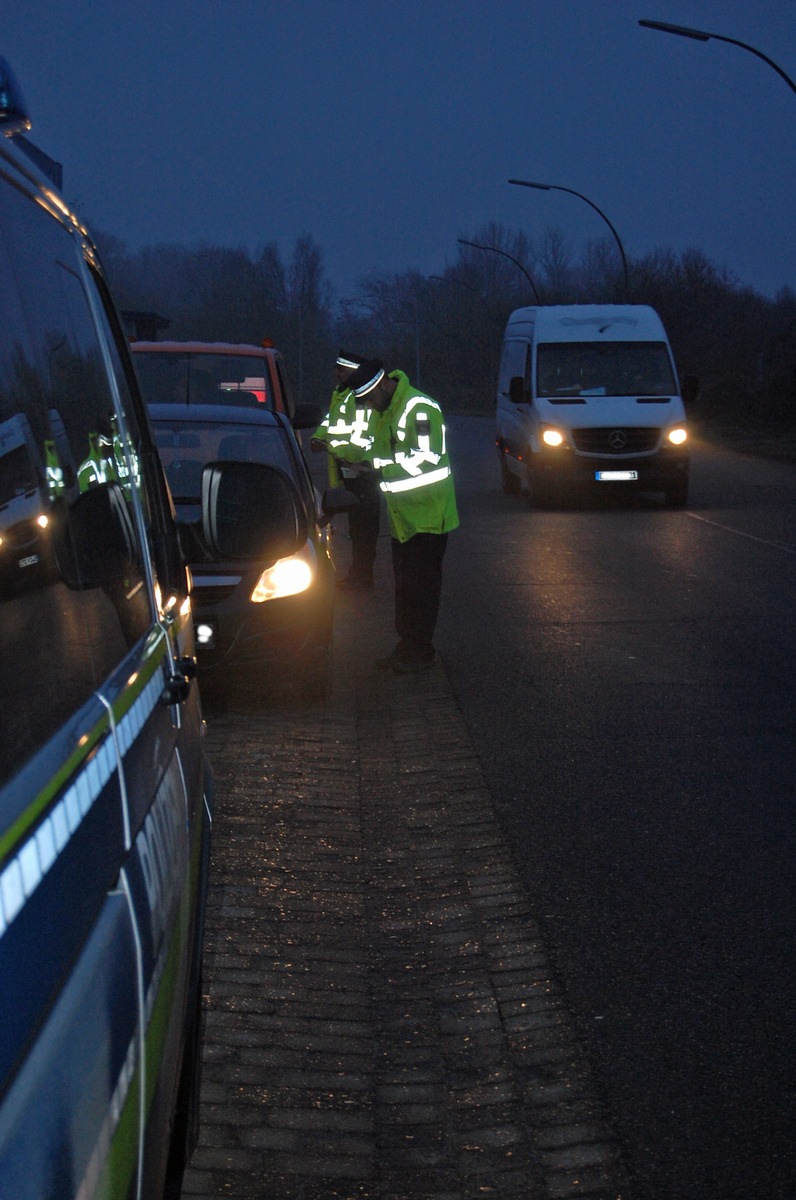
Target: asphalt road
{"x": 626, "y": 673}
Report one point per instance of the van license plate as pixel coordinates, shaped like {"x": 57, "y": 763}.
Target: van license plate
{"x": 615, "y": 476}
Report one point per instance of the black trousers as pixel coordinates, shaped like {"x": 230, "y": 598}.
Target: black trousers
{"x": 417, "y": 566}
{"x": 363, "y": 524}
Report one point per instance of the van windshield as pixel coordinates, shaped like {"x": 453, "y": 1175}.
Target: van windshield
{"x": 565, "y": 369}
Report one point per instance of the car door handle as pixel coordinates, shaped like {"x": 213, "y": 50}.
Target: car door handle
{"x": 178, "y": 685}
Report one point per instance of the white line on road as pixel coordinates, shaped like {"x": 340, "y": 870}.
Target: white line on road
{"x": 740, "y": 533}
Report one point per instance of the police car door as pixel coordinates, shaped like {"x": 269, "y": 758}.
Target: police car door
{"x": 95, "y": 824}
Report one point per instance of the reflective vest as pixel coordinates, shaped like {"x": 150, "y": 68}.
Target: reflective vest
{"x": 347, "y": 430}
{"x": 411, "y": 455}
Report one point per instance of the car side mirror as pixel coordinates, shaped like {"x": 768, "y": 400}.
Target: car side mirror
{"x": 251, "y": 511}
{"x": 95, "y": 540}
{"x": 336, "y": 500}
{"x": 307, "y": 416}
{"x": 517, "y": 392}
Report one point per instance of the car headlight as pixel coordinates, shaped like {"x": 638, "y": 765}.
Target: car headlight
{"x": 287, "y": 577}
{"x": 678, "y": 436}
{"x": 552, "y": 437}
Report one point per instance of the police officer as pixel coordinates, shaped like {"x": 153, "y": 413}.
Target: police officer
{"x": 346, "y": 433}
{"x": 410, "y": 459}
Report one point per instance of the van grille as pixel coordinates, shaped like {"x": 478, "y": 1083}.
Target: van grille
{"x": 617, "y": 440}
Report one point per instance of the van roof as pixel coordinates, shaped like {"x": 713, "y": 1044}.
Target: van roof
{"x": 588, "y": 322}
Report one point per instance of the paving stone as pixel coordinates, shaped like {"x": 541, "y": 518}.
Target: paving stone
{"x": 382, "y": 1020}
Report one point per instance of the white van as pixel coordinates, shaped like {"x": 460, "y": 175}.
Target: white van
{"x": 588, "y": 397}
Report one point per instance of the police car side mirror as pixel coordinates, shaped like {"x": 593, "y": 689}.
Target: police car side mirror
{"x": 517, "y": 392}
{"x": 251, "y": 511}
{"x": 95, "y": 541}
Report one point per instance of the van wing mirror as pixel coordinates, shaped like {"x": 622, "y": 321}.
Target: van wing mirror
{"x": 251, "y": 511}
{"x": 689, "y": 390}
{"x": 517, "y": 392}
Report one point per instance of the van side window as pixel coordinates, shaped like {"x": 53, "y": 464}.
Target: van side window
{"x": 74, "y": 594}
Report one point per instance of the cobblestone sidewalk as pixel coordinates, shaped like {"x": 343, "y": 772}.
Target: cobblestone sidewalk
{"x": 382, "y": 1021}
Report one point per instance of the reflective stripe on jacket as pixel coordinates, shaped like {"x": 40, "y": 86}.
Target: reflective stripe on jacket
{"x": 347, "y": 429}
{"x": 410, "y": 452}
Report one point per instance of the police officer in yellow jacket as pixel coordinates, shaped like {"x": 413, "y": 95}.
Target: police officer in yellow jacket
{"x": 410, "y": 458}
{"x": 346, "y": 433}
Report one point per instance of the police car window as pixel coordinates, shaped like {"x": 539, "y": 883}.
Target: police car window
{"x": 73, "y": 591}
{"x": 144, "y": 470}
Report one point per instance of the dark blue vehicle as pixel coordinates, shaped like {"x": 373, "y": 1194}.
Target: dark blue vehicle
{"x": 104, "y": 787}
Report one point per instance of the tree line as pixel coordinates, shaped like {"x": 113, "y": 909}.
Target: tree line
{"x": 445, "y": 330}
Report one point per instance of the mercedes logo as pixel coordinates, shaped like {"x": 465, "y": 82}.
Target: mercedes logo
{"x": 617, "y": 439}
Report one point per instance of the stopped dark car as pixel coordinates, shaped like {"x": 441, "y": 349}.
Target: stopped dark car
{"x": 263, "y": 578}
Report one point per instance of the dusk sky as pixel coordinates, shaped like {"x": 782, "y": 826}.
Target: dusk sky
{"x": 388, "y": 128}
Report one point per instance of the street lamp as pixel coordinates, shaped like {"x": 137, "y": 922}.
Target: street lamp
{"x": 699, "y": 35}
{"x": 554, "y": 187}
{"x": 517, "y": 263}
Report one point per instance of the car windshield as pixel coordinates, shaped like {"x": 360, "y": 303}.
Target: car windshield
{"x": 604, "y": 369}
{"x": 186, "y": 446}
{"x": 179, "y": 377}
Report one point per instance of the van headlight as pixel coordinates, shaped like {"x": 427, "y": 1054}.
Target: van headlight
{"x": 678, "y": 436}
{"x": 286, "y": 577}
{"x": 552, "y": 437}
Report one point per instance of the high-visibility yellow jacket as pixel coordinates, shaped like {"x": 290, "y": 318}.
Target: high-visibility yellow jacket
{"x": 410, "y": 453}
{"x": 347, "y": 431}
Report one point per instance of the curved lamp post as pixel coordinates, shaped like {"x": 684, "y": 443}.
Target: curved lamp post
{"x": 510, "y": 257}
{"x": 554, "y": 187}
{"x": 699, "y": 35}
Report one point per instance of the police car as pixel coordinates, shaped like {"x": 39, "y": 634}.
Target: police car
{"x": 104, "y": 787}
